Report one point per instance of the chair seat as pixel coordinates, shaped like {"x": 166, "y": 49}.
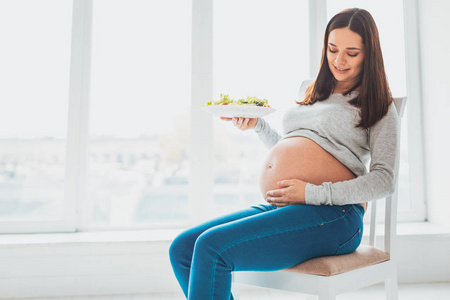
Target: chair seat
{"x": 331, "y": 265}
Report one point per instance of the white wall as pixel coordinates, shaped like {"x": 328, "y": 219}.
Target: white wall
{"x": 75, "y": 265}
{"x": 435, "y": 49}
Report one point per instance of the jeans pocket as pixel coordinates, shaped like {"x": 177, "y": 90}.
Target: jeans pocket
{"x": 350, "y": 245}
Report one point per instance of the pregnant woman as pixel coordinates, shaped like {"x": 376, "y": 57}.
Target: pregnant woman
{"x": 315, "y": 179}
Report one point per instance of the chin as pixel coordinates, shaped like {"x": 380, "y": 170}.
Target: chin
{"x": 341, "y": 78}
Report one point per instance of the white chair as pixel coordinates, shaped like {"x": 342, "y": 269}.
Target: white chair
{"x": 329, "y": 276}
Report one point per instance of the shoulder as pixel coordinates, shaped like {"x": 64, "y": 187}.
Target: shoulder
{"x": 389, "y": 123}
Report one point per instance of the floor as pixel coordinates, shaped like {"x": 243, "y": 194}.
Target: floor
{"x": 434, "y": 291}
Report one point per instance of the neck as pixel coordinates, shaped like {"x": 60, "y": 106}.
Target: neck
{"x": 343, "y": 86}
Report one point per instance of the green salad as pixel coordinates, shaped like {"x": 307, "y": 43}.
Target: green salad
{"x": 226, "y": 100}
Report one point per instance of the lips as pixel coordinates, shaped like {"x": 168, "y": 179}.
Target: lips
{"x": 339, "y": 70}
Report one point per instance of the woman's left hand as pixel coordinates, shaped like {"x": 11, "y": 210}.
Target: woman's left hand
{"x": 289, "y": 192}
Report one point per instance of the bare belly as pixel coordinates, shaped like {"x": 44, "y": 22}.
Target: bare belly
{"x": 301, "y": 158}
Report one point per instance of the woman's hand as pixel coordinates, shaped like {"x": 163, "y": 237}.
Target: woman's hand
{"x": 289, "y": 192}
{"x": 242, "y": 123}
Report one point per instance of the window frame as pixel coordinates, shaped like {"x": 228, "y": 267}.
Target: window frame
{"x": 416, "y": 145}
{"x": 79, "y": 101}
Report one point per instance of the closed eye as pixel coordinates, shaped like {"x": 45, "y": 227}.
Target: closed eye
{"x": 335, "y": 51}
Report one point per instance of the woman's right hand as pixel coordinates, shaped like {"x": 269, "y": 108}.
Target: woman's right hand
{"x": 242, "y": 123}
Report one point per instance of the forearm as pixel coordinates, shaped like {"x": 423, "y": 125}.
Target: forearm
{"x": 266, "y": 134}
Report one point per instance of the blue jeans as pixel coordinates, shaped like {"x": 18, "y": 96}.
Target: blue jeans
{"x": 261, "y": 238}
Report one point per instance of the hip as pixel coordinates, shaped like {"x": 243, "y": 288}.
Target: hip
{"x": 331, "y": 229}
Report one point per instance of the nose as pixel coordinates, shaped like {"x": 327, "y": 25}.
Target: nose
{"x": 339, "y": 60}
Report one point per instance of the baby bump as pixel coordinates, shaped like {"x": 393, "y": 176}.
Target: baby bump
{"x": 301, "y": 158}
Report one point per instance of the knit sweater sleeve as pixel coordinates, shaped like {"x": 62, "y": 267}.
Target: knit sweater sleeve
{"x": 266, "y": 134}
{"x": 379, "y": 182}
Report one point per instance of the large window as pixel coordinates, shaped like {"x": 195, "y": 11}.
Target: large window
{"x": 96, "y": 125}
{"x": 33, "y": 115}
{"x": 139, "y": 118}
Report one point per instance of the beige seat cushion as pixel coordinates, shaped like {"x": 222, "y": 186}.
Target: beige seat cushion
{"x": 331, "y": 265}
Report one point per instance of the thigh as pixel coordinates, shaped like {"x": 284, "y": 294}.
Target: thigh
{"x": 187, "y": 239}
{"x": 280, "y": 238}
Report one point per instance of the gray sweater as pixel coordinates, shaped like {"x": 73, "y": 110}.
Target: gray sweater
{"x": 331, "y": 124}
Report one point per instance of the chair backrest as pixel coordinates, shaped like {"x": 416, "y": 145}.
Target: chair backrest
{"x": 390, "y": 224}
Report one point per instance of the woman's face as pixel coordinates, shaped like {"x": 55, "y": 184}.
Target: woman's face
{"x": 345, "y": 55}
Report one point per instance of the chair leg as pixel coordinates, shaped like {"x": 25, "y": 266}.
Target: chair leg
{"x": 327, "y": 296}
{"x": 391, "y": 288}
{"x": 235, "y": 289}
{"x": 235, "y": 293}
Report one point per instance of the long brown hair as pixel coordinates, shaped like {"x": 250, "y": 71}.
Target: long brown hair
{"x": 374, "y": 95}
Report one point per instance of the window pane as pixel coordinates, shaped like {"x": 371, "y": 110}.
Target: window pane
{"x": 261, "y": 49}
{"x": 391, "y": 30}
{"x": 138, "y": 172}
{"x": 35, "y": 57}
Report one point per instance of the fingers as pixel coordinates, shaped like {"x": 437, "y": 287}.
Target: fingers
{"x": 278, "y": 202}
{"x": 286, "y": 183}
{"x": 275, "y": 197}
{"x": 275, "y": 193}
{"x": 241, "y": 123}
{"x": 238, "y": 122}
{"x": 289, "y": 192}
{"x": 280, "y": 197}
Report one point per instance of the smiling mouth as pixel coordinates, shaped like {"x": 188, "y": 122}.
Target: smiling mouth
{"x": 342, "y": 70}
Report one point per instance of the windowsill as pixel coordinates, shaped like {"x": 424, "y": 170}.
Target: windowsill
{"x": 421, "y": 229}
{"x": 164, "y": 235}
{"x": 152, "y": 235}
{"x": 411, "y": 229}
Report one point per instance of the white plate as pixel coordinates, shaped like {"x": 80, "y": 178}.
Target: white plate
{"x": 244, "y": 111}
